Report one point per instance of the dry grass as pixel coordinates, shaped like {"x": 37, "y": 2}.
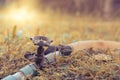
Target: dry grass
{"x": 82, "y": 66}
{"x": 63, "y": 29}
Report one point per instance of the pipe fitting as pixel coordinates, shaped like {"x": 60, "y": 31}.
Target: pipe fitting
{"x": 28, "y": 70}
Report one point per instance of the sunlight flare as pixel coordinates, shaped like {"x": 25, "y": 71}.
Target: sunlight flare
{"x": 20, "y": 15}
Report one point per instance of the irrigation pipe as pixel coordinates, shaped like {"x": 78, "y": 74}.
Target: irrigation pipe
{"x": 31, "y": 69}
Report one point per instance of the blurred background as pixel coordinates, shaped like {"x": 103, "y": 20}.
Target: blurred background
{"x": 59, "y": 19}
{"x": 101, "y": 8}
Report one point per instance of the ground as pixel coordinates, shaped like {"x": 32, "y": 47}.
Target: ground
{"x": 62, "y": 29}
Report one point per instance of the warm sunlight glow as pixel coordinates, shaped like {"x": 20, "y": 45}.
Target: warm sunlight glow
{"x": 20, "y": 15}
{"x": 23, "y": 16}
{"x": 24, "y": 13}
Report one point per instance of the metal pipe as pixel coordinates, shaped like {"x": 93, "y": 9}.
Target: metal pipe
{"x": 30, "y": 69}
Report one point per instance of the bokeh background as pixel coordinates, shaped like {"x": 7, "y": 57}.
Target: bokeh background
{"x": 62, "y": 20}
